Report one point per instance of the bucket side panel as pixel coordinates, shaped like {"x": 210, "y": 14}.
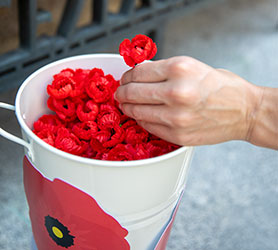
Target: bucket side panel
{"x": 64, "y": 216}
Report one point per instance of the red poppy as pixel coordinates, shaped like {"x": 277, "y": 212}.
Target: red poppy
{"x": 121, "y": 152}
{"x": 48, "y": 122}
{"x": 89, "y": 152}
{"x": 136, "y": 134}
{"x": 87, "y": 111}
{"x": 108, "y": 120}
{"x": 95, "y": 72}
{"x": 98, "y": 86}
{"x": 69, "y": 143}
{"x": 115, "y": 84}
{"x": 106, "y": 108}
{"x": 129, "y": 123}
{"x": 61, "y": 86}
{"x": 62, "y": 216}
{"x": 124, "y": 119}
{"x": 68, "y": 83}
{"x": 65, "y": 109}
{"x": 99, "y": 139}
{"x": 157, "y": 147}
{"x": 108, "y": 116}
{"x": 80, "y": 78}
{"x": 85, "y": 130}
{"x": 141, "y": 152}
{"x": 117, "y": 135}
{"x": 127, "y": 152}
{"x": 139, "y": 49}
{"x": 47, "y": 135}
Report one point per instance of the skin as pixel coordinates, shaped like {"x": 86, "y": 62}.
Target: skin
{"x": 187, "y": 102}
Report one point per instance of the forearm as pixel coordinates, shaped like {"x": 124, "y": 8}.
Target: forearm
{"x": 264, "y": 128}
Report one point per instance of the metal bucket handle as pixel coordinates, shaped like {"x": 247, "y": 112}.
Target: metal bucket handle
{"x": 14, "y": 138}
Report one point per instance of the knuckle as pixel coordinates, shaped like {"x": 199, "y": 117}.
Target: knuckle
{"x": 191, "y": 97}
{"x": 180, "y": 64}
{"x": 184, "y": 95}
{"x": 176, "y": 94}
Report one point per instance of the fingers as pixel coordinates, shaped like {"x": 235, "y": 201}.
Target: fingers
{"x": 148, "y": 113}
{"x": 162, "y": 70}
{"x": 151, "y": 93}
{"x": 146, "y": 72}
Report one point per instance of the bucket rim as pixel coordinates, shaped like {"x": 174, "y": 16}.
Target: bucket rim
{"x": 72, "y": 157}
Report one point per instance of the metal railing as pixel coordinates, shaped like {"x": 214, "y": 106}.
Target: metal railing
{"x": 105, "y": 30}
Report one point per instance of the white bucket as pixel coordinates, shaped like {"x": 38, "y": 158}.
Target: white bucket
{"x": 138, "y": 195}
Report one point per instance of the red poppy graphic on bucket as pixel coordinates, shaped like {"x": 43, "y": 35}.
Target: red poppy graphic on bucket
{"x": 63, "y": 216}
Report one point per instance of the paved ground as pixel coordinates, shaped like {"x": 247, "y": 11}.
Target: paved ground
{"x": 231, "y": 198}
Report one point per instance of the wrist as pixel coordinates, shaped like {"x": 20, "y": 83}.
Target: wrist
{"x": 263, "y": 118}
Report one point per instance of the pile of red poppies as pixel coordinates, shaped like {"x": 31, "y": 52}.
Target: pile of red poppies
{"x": 87, "y": 120}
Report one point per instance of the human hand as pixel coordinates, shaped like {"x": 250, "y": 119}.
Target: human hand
{"x": 187, "y": 102}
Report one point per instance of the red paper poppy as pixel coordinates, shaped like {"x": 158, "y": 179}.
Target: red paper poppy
{"x": 63, "y": 216}
{"x": 99, "y": 139}
{"x": 108, "y": 117}
{"x": 80, "y": 78}
{"x": 69, "y": 143}
{"x": 117, "y": 135}
{"x": 115, "y": 85}
{"x": 121, "y": 152}
{"x": 95, "y": 72}
{"x": 139, "y": 49}
{"x": 48, "y": 122}
{"x": 124, "y": 119}
{"x": 129, "y": 123}
{"x": 65, "y": 109}
{"x": 90, "y": 152}
{"x": 157, "y": 147}
{"x": 87, "y": 111}
{"x": 136, "y": 134}
{"x": 108, "y": 120}
{"x": 98, "y": 86}
{"x": 127, "y": 152}
{"x": 47, "y": 136}
{"x": 61, "y": 86}
{"x": 106, "y": 108}
{"x": 68, "y": 83}
{"x": 85, "y": 130}
{"x": 141, "y": 152}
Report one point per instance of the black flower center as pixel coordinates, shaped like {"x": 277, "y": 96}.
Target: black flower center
{"x": 58, "y": 232}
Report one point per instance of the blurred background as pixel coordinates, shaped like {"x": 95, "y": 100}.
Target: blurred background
{"x": 231, "y": 196}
